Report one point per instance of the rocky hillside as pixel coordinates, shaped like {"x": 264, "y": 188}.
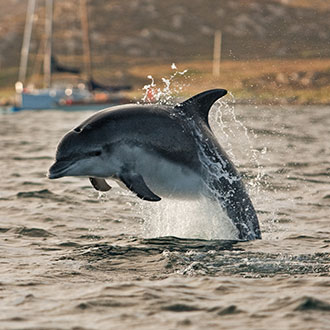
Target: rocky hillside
{"x": 127, "y": 32}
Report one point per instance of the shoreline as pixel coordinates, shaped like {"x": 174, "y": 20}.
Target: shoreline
{"x": 250, "y": 102}
{"x": 258, "y": 82}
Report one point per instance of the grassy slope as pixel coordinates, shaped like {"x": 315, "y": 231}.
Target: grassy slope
{"x": 233, "y": 76}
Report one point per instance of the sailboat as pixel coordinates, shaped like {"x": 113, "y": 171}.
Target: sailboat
{"x": 56, "y": 95}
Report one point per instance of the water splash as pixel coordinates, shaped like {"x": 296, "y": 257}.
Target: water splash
{"x": 96, "y": 222}
{"x": 200, "y": 218}
{"x": 228, "y": 129}
{"x": 165, "y": 94}
{"x": 218, "y": 175}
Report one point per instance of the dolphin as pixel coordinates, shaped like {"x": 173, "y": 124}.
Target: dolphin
{"x": 158, "y": 151}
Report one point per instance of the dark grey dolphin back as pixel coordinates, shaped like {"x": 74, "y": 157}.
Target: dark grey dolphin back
{"x": 238, "y": 206}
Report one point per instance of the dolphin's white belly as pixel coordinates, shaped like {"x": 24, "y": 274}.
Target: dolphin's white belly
{"x": 165, "y": 178}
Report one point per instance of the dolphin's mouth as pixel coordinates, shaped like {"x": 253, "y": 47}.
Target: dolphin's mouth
{"x": 59, "y": 169}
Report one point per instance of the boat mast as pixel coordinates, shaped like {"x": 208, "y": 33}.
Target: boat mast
{"x": 48, "y": 43}
{"x": 26, "y": 41}
{"x": 85, "y": 39}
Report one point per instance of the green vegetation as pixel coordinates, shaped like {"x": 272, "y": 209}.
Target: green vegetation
{"x": 303, "y": 81}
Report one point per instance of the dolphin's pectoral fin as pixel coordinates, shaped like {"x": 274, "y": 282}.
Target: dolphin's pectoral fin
{"x": 99, "y": 184}
{"x": 135, "y": 183}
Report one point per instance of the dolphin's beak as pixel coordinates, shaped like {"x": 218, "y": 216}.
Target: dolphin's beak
{"x": 58, "y": 169}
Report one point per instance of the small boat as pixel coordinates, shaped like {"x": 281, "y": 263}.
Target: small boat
{"x": 70, "y": 98}
{"x": 84, "y": 94}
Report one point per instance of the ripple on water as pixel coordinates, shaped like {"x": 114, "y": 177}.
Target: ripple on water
{"x": 190, "y": 257}
{"x": 307, "y": 303}
{"x": 33, "y": 232}
{"x": 41, "y": 194}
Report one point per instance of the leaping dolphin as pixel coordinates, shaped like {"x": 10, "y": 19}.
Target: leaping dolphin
{"x": 158, "y": 150}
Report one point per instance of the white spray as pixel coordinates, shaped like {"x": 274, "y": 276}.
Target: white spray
{"x": 202, "y": 218}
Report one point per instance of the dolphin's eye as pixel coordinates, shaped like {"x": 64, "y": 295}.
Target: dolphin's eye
{"x": 77, "y": 129}
{"x": 94, "y": 153}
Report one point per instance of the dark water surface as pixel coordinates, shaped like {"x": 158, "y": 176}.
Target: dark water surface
{"x": 73, "y": 260}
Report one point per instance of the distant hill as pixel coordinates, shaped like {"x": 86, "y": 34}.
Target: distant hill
{"x": 123, "y": 33}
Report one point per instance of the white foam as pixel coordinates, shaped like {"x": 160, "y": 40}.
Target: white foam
{"x": 201, "y": 218}
{"x": 164, "y": 94}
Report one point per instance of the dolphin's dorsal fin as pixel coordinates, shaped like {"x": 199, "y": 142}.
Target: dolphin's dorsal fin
{"x": 202, "y": 103}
